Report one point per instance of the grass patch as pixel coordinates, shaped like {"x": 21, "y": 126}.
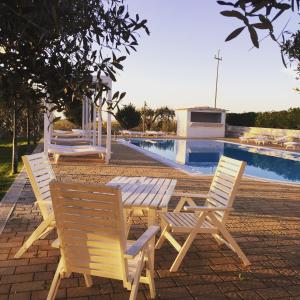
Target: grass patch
{"x": 6, "y": 178}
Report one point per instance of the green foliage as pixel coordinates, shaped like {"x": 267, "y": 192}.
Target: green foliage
{"x": 35, "y": 120}
{"x": 257, "y": 16}
{"x": 64, "y": 125}
{"x": 285, "y": 119}
{"x": 128, "y": 116}
{"x": 73, "y": 112}
{"x": 161, "y": 118}
{"x": 54, "y": 47}
{"x": 5, "y": 167}
{"x": 243, "y": 119}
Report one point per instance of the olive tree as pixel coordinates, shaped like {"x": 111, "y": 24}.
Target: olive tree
{"x": 54, "y": 48}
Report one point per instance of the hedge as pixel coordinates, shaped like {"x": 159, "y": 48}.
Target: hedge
{"x": 286, "y": 119}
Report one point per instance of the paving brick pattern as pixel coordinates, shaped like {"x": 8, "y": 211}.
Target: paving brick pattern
{"x": 265, "y": 223}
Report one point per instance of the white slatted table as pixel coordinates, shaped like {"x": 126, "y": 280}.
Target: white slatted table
{"x": 147, "y": 193}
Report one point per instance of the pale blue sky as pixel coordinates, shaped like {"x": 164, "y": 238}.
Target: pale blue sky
{"x": 175, "y": 65}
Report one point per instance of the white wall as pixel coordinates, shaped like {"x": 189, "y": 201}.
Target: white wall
{"x": 181, "y": 116}
{"x": 197, "y": 130}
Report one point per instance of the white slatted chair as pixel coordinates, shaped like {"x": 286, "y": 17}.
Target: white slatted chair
{"x": 210, "y": 218}
{"x": 91, "y": 231}
{"x": 40, "y": 173}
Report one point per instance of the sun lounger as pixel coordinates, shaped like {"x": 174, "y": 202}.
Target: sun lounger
{"x": 261, "y": 140}
{"x": 71, "y": 140}
{"x": 154, "y": 133}
{"x": 66, "y": 134}
{"x": 246, "y": 138}
{"x": 84, "y": 150}
{"x": 280, "y": 140}
{"x": 293, "y": 145}
{"x": 131, "y": 133}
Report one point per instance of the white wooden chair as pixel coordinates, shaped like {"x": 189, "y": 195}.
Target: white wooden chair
{"x": 40, "y": 173}
{"x": 210, "y": 218}
{"x": 91, "y": 231}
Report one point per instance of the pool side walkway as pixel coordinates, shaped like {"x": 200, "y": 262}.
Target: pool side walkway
{"x": 265, "y": 223}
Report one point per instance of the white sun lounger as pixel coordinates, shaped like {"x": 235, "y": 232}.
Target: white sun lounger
{"x": 261, "y": 140}
{"x": 70, "y": 140}
{"x": 292, "y": 145}
{"x": 280, "y": 140}
{"x": 59, "y": 150}
{"x": 66, "y": 134}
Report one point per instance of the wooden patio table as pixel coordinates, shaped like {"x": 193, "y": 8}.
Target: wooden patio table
{"x": 146, "y": 193}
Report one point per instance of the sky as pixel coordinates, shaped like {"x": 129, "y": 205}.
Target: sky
{"x": 175, "y": 65}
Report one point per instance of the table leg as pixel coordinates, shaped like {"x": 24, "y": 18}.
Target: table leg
{"x": 152, "y": 221}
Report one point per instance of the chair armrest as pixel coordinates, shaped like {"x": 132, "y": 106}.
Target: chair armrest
{"x": 43, "y": 202}
{"x": 140, "y": 243}
{"x": 179, "y": 194}
{"x": 206, "y": 208}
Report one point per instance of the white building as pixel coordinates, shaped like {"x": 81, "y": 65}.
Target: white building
{"x": 200, "y": 122}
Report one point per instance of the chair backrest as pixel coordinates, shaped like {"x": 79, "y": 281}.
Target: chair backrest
{"x": 40, "y": 173}
{"x": 91, "y": 229}
{"x": 225, "y": 184}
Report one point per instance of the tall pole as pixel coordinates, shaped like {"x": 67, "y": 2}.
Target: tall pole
{"x": 218, "y": 58}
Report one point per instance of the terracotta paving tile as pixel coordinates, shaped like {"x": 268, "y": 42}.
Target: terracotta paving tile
{"x": 272, "y": 293}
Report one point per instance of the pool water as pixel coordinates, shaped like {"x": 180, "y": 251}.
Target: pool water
{"x": 202, "y": 156}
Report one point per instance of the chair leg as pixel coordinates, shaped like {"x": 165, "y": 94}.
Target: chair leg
{"x": 231, "y": 241}
{"x": 235, "y": 247}
{"x": 88, "y": 280}
{"x": 183, "y": 251}
{"x": 218, "y": 239}
{"x": 162, "y": 238}
{"x": 150, "y": 275}
{"x": 56, "y": 158}
{"x": 185, "y": 247}
{"x": 136, "y": 280}
{"x": 56, "y": 281}
{"x": 45, "y": 234}
{"x": 39, "y": 231}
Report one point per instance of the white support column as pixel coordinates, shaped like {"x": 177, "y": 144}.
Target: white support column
{"x": 46, "y": 132}
{"x": 47, "y": 128}
{"x": 100, "y": 123}
{"x": 89, "y": 118}
{"x": 108, "y": 134}
{"x": 82, "y": 116}
{"x": 94, "y": 121}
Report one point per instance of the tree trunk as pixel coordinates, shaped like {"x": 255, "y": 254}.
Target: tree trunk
{"x": 14, "y": 165}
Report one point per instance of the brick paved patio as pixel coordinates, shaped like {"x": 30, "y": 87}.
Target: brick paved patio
{"x": 265, "y": 224}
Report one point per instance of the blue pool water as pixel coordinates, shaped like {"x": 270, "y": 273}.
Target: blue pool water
{"x": 202, "y": 156}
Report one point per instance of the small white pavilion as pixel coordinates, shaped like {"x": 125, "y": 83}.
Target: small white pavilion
{"x": 200, "y": 122}
{"x": 91, "y": 113}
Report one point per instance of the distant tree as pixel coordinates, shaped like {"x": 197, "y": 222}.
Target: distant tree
{"x": 164, "y": 117}
{"x": 156, "y": 118}
{"x": 128, "y": 116}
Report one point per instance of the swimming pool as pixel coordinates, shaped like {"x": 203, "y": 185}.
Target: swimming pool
{"x": 202, "y": 156}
